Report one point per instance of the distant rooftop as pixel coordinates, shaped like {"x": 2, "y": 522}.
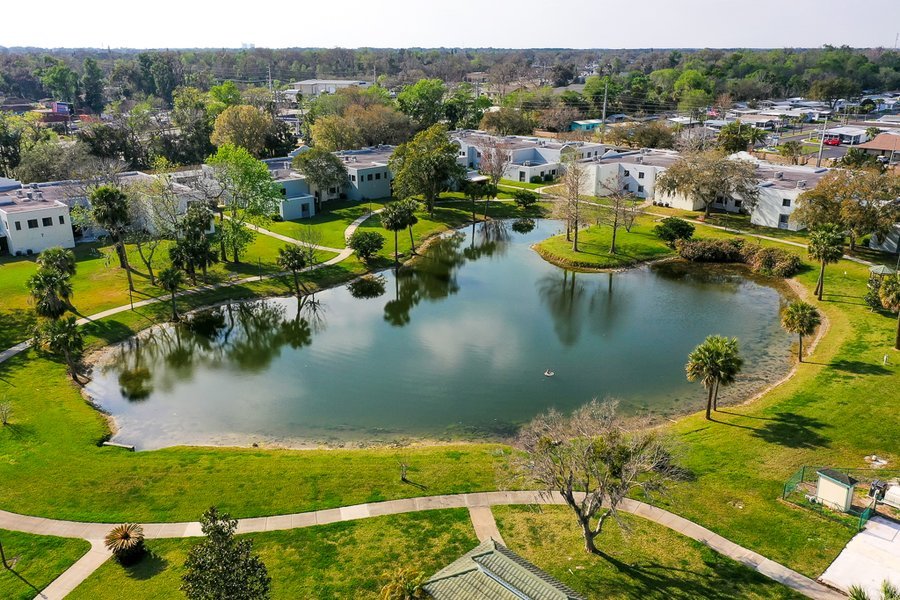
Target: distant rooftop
{"x": 331, "y": 82}
{"x": 650, "y": 157}
{"x": 516, "y": 142}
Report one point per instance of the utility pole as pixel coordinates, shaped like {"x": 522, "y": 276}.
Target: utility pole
{"x": 822, "y": 143}
{"x": 605, "y": 92}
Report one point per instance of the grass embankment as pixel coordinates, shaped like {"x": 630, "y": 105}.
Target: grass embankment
{"x": 330, "y": 223}
{"x": 638, "y": 245}
{"x": 328, "y": 562}
{"x": 645, "y": 561}
{"x": 840, "y": 406}
{"x": 99, "y": 284}
{"x": 39, "y": 559}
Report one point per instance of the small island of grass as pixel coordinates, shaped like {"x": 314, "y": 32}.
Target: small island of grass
{"x": 632, "y": 247}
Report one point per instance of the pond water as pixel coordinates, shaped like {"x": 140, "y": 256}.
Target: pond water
{"x": 455, "y": 347}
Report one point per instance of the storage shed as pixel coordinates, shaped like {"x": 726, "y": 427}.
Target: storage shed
{"x": 835, "y": 489}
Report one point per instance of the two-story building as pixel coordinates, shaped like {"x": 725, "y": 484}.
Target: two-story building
{"x": 33, "y": 219}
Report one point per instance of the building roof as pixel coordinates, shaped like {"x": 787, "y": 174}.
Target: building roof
{"x": 883, "y": 141}
{"x": 649, "y": 157}
{"x": 837, "y": 477}
{"x": 846, "y": 131}
{"x": 330, "y": 82}
{"x": 516, "y": 142}
{"x": 365, "y": 158}
{"x": 493, "y": 572}
{"x": 8, "y": 184}
{"x": 24, "y": 200}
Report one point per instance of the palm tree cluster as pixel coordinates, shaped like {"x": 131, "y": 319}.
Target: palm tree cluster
{"x": 51, "y": 290}
{"x": 126, "y": 542}
{"x": 398, "y": 216}
{"x": 715, "y": 362}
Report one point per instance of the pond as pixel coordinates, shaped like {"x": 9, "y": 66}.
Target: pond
{"x": 453, "y": 348}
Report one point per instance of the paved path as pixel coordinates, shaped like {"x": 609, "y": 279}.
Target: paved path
{"x": 478, "y": 503}
{"x": 77, "y": 573}
{"x": 342, "y": 255}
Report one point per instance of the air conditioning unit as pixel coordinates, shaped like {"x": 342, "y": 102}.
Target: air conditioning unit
{"x": 801, "y": 184}
{"x": 640, "y": 160}
{"x": 779, "y": 175}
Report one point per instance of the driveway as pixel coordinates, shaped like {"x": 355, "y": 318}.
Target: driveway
{"x": 871, "y": 557}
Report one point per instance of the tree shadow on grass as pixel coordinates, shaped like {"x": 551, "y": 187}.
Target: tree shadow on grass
{"x": 648, "y": 579}
{"x": 859, "y": 367}
{"x": 793, "y": 431}
{"x": 15, "y": 326}
{"x": 109, "y": 331}
{"x": 148, "y": 567}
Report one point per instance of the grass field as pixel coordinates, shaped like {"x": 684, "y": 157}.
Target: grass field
{"x": 39, "y": 559}
{"x": 327, "y": 562}
{"x": 839, "y": 407}
{"x": 638, "y": 245}
{"x": 645, "y": 560}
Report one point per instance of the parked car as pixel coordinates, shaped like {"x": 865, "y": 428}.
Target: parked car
{"x": 833, "y": 142}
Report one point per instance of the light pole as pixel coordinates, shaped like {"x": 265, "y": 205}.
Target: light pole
{"x": 822, "y": 143}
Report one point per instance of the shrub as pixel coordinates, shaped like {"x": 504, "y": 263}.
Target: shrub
{"x": 711, "y": 251}
{"x": 873, "y": 293}
{"x": 366, "y": 243}
{"x": 672, "y": 229}
{"x": 767, "y": 261}
{"x": 537, "y": 179}
{"x": 772, "y": 261}
{"x": 126, "y": 542}
{"x": 525, "y": 198}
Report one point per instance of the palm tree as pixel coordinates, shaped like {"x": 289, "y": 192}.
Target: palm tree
{"x": 51, "y": 291}
{"x": 402, "y": 584}
{"x": 393, "y": 218}
{"x": 888, "y": 592}
{"x": 826, "y": 245}
{"x": 714, "y": 362}
{"x": 293, "y": 258}
{"x": 170, "y": 279}
{"x": 792, "y": 150}
{"x": 410, "y": 206}
{"x": 58, "y": 259}
{"x": 800, "y": 318}
{"x": 890, "y": 299}
{"x": 126, "y": 542}
{"x": 109, "y": 207}
{"x": 63, "y": 338}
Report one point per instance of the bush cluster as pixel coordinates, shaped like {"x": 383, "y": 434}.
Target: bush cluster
{"x": 768, "y": 261}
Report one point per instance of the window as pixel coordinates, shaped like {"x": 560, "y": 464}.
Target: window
{"x": 377, "y": 175}
{"x": 62, "y": 220}
{"x": 627, "y": 187}
{"x": 18, "y": 225}
{"x": 369, "y": 177}
{"x": 737, "y": 203}
{"x": 783, "y": 219}
{"x": 47, "y": 221}
{"x": 627, "y": 172}
{"x": 640, "y": 189}
{"x": 553, "y": 171}
{"x": 785, "y": 201}
{"x": 353, "y": 178}
{"x": 640, "y": 174}
{"x": 331, "y": 190}
{"x": 283, "y": 193}
{"x": 32, "y": 223}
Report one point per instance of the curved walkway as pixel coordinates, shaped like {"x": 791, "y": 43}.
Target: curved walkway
{"x": 478, "y": 503}
{"x": 342, "y": 255}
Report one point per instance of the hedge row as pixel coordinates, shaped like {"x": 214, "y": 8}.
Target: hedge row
{"x": 768, "y": 261}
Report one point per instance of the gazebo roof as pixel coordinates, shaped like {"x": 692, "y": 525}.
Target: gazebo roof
{"x": 881, "y": 270}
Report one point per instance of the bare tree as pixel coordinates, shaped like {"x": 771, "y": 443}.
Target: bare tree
{"x": 495, "y": 159}
{"x": 594, "y": 459}
{"x": 621, "y": 209}
{"x": 574, "y": 181}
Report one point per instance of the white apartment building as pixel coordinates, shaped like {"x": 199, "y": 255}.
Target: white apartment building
{"x": 531, "y": 158}
{"x": 32, "y": 221}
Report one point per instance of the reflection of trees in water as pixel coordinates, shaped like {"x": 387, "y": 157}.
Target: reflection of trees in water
{"x": 245, "y": 337}
{"x": 524, "y": 225}
{"x": 434, "y": 276}
{"x": 577, "y": 300}
{"x": 368, "y": 287}
{"x": 723, "y": 277}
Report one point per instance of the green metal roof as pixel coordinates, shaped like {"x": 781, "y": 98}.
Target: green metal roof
{"x": 493, "y": 572}
{"x": 837, "y": 477}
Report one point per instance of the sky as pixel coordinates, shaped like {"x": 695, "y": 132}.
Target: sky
{"x": 458, "y": 23}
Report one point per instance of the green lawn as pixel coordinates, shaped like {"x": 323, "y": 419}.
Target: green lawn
{"x": 640, "y": 244}
{"x": 337, "y": 561}
{"x": 99, "y": 284}
{"x": 524, "y": 184}
{"x": 330, "y": 223}
{"x": 645, "y": 560}
{"x": 39, "y": 559}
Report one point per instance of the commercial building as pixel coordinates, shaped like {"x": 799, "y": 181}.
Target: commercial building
{"x": 852, "y": 136}
{"x": 310, "y": 88}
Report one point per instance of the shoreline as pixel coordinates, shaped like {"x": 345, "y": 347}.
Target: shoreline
{"x": 405, "y": 440}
